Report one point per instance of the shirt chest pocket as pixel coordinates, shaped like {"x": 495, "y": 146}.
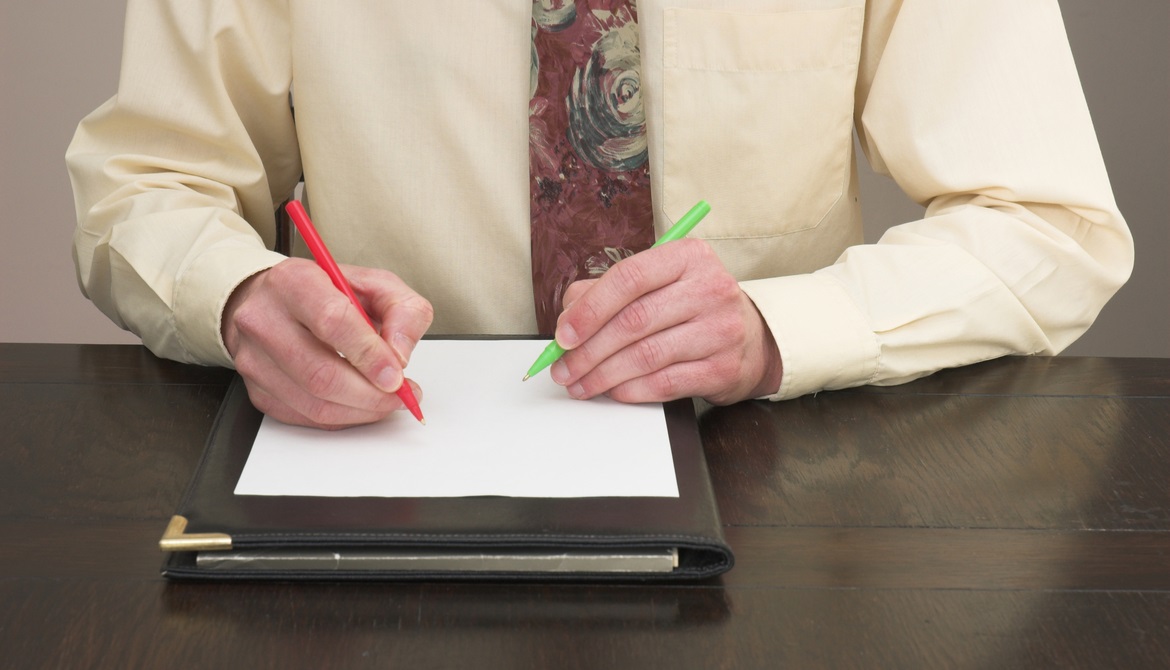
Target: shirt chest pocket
{"x": 758, "y": 115}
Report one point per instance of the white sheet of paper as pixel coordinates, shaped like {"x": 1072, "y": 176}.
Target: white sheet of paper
{"x": 487, "y": 433}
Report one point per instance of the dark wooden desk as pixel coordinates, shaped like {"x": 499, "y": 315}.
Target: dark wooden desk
{"x": 1011, "y": 514}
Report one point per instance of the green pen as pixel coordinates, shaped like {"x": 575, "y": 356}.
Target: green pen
{"x": 679, "y": 230}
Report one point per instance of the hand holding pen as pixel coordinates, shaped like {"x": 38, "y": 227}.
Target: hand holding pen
{"x": 679, "y": 230}
{"x": 669, "y": 322}
{"x": 285, "y": 326}
{"x": 320, "y": 252}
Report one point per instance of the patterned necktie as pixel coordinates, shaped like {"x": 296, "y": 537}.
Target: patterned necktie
{"x": 588, "y": 174}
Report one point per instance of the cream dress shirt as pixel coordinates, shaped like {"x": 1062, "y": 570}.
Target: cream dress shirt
{"x": 411, "y": 130}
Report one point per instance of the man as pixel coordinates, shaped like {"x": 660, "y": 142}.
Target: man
{"x": 412, "y": 129}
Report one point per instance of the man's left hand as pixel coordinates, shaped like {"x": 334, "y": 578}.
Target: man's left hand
{"x": 669, "y": 322}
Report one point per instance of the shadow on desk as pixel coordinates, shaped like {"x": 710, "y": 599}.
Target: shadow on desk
{"x": 452, "y": 605}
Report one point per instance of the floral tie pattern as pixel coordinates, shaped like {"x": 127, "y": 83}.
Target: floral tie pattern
{"x": 589, "y": 176}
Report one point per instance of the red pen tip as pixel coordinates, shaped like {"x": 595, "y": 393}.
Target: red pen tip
{"x": 406, "y": 394}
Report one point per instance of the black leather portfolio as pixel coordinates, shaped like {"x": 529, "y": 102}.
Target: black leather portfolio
{"x": 218, "y": 535}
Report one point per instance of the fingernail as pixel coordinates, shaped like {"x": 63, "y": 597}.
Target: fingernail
{"x": 402, "y": 346}
{"x": 566, "y": 336}
{"x": 559, "y": 372}
{"x": 577, "y": 391}
{"x": 388, "y": 380}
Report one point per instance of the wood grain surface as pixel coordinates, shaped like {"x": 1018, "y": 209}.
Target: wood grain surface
{"x": 1012, "y": 514}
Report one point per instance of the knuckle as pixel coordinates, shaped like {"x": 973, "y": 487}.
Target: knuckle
{"x": 636, "y": 318}
{"x": 725, "y": 375}
{"x": 319, "y": 412}
{"x": 246, "y": 364}
{"x": 664, "y": 384}
{"x": 323, "y": 379}
{"x": 699, "y": 250}
{"x": 648, "y": 355}
{"x": 424, "y": 309}
{"x": 726, "y": 286}
{"x": 574, "y": 291}
{"x": 290, "y": 273}
{"x": 331, "y": 319}
{"x": 628, "y": 274}
{"x": 367, "y": 353}
{"x": 249, "y": 322}
{"x": 587, "y": 309}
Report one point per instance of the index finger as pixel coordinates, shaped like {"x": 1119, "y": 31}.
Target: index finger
{"x": 625, "y": 282}
{"x": 341, "y": 325}
{"x": 404, "y": 315}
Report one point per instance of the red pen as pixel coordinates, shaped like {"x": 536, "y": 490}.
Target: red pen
{"x": 325, "y": 259}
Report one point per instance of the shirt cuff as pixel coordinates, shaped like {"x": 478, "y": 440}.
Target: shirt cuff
{"x": 824, "y": 340}
{"x": 202, "y": 290}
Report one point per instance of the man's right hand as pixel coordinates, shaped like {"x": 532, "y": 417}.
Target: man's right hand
{"x": 284, "y": 328}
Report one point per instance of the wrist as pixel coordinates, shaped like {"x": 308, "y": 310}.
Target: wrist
{"x": 770, "y": 369}
{"x": 772, "y": 373}
{"x": 228, "y": 329}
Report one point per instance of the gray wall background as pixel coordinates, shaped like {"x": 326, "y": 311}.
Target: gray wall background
{"x": 59, "y": 60}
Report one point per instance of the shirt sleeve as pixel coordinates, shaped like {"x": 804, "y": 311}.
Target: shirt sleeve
{"x": 176, "y": 178}
{"x": 976, "y": 111}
